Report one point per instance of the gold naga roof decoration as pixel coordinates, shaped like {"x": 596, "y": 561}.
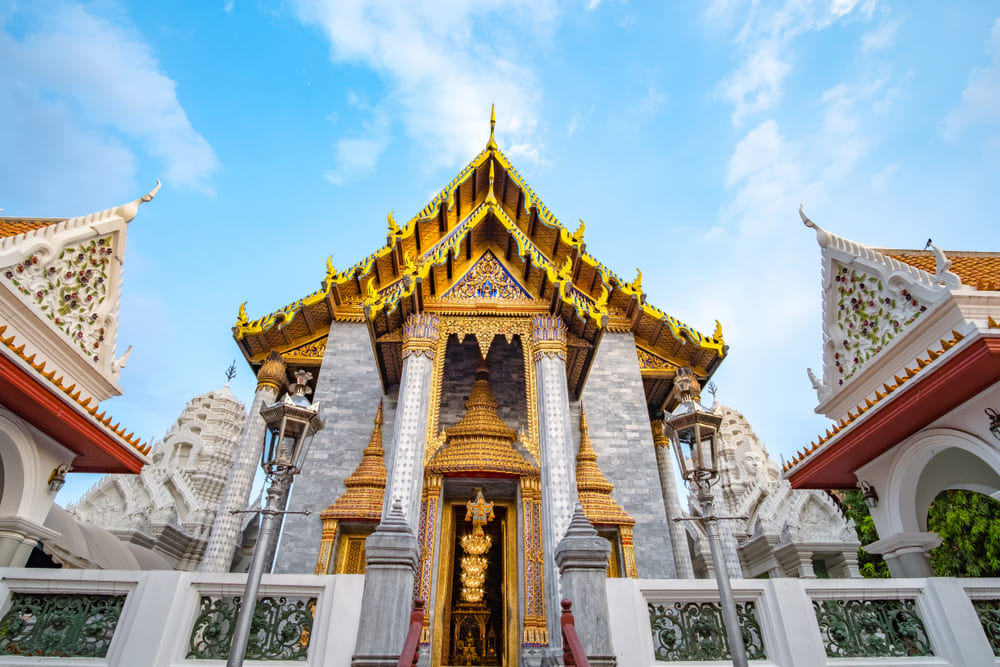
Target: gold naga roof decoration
{"x": 487, "y": 208}
{"x": 362, "y": 501}
{"x": 593, "y": 487}
{"x": 481, "y": 442}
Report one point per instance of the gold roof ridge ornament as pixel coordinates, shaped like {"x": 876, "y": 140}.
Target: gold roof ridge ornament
{"x": 491, "y": 145}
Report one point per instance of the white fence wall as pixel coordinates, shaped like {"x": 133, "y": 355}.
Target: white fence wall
{"x": 161, "y": 607}
{"x": 155, "y": 625}
{"x": 789, "y": 627}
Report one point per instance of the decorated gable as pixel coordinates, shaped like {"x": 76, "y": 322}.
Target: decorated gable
{"x": 488, "y": 280}
{"x": 61, "y": 289}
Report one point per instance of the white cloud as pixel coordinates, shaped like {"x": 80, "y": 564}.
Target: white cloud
{"x": 445, "y": 64}
{"x": 652, "y": 102}
{"x": 883, "y": 177}
{"x": 360, "y": 154}
{"x": 843, "y": 141}
{"x": 98, "y": 87}
{"x": 756, "y": 83}
{"x": 763, "y": 42}
{"x": 882, "y": 37}
{"x": 575, "y": 123}
{"x": 980, "y": 103}
{"x": 227, "y": 6}
{"x": 770, "y": 181}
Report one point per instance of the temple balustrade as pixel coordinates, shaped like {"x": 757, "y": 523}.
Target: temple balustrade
{"x": 162, "y": 618}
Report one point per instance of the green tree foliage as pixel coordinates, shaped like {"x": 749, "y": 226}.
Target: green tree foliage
{"x": 969, "y": 526}
{"x": 854, "y": 507}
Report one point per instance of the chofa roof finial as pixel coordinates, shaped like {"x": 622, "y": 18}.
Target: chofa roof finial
{"x": 491, "y": 145}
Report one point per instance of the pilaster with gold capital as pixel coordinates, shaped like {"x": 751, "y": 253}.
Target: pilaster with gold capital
{"x": 555, "y": 444}
{"x": 671, "y": 502}
{"x": 406, "y": 468}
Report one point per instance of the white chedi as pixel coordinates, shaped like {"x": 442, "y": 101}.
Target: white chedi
{"x": 171, "y": 504}
{"x": 786, "y": 532}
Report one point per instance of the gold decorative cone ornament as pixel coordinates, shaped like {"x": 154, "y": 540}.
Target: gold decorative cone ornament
{"x": 593, "y": 487}
{"x": 481, "y": 442}
{"x": 362, "y": 501}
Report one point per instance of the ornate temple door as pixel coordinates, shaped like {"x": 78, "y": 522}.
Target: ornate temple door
{"x": 476, "y": 602}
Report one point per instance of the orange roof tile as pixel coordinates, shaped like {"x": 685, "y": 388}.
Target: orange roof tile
{"x": 15, "y": 226}
{"x": 74, "y": 394}
{"x": 932, "y": 355}
{"x": 978, "y": 269}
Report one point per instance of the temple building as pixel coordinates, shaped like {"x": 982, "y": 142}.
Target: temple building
{"x": 481, "y": 358}
{"x": 60, "y": 289}
{"x": 911, "y": 380}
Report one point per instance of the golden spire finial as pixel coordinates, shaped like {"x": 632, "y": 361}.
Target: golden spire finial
{"x": 491, "y": 145}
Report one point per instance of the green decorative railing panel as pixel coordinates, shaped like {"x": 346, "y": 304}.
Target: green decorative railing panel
{"x": 280, "y": 629}
{"x": 871, "y": 628}
{"x": 695, "y": 631}
{"x": 989, "y": 617}
{"x": 60, "y": 625}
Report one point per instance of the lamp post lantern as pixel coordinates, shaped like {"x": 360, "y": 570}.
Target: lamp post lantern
{"x": 694, "y": 432}
{"x": 291, "y": 424}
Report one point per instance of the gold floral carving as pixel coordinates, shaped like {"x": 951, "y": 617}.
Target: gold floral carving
{"x": 535, "y": 630}
{"x": 548, "y": 334}
{"x": 431, "y": 499}
{"x": 651, "y": 362}
{"x": 272, "y": 373}
{"x": 487, "y": 279}
{"x": 313, "y": 350}
{"x": 420, "y": 335}
{"x": 660, "y": 439}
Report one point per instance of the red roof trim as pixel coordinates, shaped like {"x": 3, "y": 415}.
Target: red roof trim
{"x": 97, "y": 451}
{"x": 934, "y": 393}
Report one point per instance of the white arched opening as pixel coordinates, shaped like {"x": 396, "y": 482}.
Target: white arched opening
{"x": 932, "y": 462}
{"x": 20, "y": 468}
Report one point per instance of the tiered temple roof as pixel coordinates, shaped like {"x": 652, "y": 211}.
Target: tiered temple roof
{"x": 487, "y": 207}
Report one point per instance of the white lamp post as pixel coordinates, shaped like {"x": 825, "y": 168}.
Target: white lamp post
{"x": 694, "y": 430}
{"x": 291, "y": 424}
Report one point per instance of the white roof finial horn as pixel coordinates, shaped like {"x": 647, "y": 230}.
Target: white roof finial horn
{"x": 822, "y": 237}
{"x": 128, "y": 211}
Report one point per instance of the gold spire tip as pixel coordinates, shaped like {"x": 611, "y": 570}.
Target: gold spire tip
{"x": 492, "y": 143}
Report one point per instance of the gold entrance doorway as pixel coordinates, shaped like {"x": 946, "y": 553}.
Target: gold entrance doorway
{"x": 472, "y": 629}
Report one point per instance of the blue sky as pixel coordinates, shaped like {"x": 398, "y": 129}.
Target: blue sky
{"x": 685, "y": 134}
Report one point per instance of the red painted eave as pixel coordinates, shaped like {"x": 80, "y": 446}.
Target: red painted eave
{"x": 30, "y": 399}
{"x": 936, "y": 392}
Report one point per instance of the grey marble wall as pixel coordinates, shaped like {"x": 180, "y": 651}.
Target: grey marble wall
{"x": 348, "y": 389}
{"x": 619, "y": 430}
{"x": 506, "y": 362}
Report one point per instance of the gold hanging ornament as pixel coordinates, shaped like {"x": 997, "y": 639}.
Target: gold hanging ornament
{"x": 475, "y": 545}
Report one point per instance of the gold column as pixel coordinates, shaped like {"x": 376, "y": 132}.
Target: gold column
{"x": 326, "y": 545}
{"x": 628, "y": 551}
{"x": 426, "y": 539}
{"x": 535, "y": 631}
